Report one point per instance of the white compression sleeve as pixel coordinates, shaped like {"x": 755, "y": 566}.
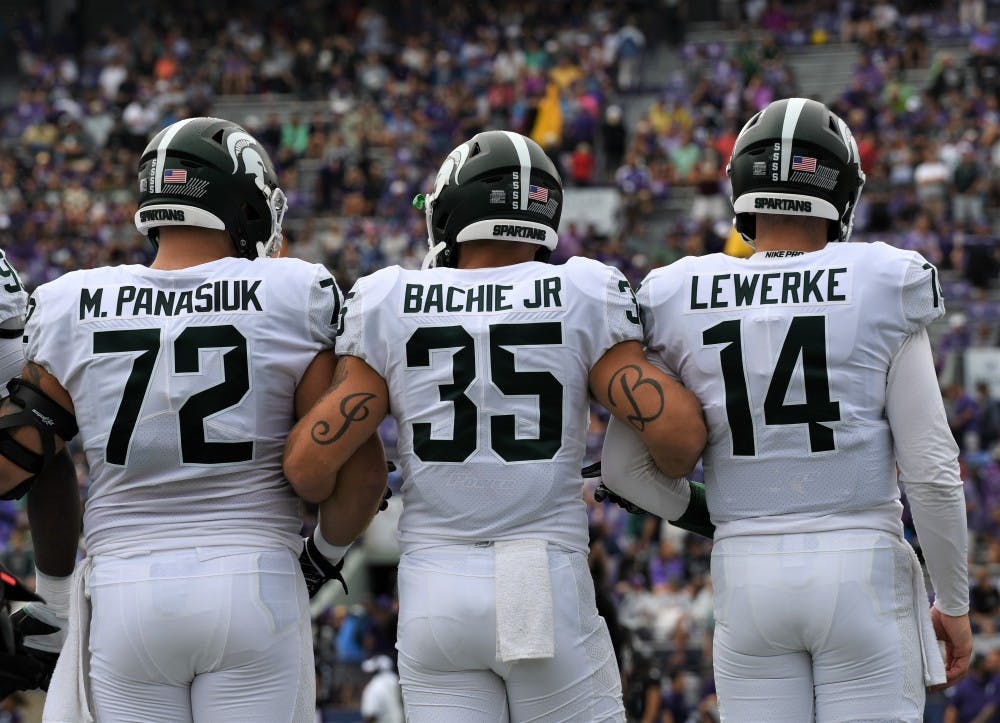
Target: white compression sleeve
{"x": 628, "y": 470}
{"x": 928, "y": 468}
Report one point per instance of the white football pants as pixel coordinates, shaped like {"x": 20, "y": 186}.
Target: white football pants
{"x": 448, "y": 664}
{"x": 816, "y": 627}
{"x": 196, "y": 635}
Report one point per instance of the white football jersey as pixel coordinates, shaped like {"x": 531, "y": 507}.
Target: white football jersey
{"x": 13, "y": 299}
{"x": 789, "y": 354}
{"x": 183, "y": 384}
{"x": 487, "y": 371}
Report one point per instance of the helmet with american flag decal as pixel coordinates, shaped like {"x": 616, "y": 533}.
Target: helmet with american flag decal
{"x": 497, "y": 185}
{"x": 211, "y": 173}
{"x": 796, "y": 157}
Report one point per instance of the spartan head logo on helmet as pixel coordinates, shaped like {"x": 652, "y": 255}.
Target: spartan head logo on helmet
{"x": 244, "y": 146}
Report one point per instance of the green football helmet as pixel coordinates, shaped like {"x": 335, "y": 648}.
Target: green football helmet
{"x": 211, "y": 173}
{"x": 796, "y": 157}
{"x": 497, "y": 185}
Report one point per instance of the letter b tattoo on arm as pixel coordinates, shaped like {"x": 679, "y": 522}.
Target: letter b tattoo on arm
{"x": 638, "y": 396}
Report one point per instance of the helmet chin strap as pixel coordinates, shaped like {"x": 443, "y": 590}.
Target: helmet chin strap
{"x": 425, "y": 203}
{"x": 430, "y": 260}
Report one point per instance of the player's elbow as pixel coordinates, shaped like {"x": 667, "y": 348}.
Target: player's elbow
{"x": 313, "y": 494}
{"x": 673, "y": 465}
{"x": 695, "y": 439}
{"x": 679, "y": 456}
{"x": 308, "y": 480}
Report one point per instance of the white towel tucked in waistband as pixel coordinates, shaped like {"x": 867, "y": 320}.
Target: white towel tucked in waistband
{"x": 524, "y": 601}
{"x": 67, "y": 700}
{"x": 934, "y": 673}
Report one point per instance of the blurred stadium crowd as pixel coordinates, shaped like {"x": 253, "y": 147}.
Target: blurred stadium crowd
{"x": 357, "y": 101}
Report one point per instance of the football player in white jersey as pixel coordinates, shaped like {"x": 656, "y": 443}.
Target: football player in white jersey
{"x": 184, "y": 379}
{"x": 53, "y": 505}
{"x": 813, "y": 364}
{"x": 13, "y": 301}
{"x": 488, "y": 363}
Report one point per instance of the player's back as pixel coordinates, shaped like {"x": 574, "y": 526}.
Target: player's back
{"x": 488, "y": 371}
{"x": 789, "y": 355}
{"x": 183, "y": 385}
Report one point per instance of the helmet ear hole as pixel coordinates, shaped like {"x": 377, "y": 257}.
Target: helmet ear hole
{"x": 250, "y": 212}
{"x": 442, "y": 221}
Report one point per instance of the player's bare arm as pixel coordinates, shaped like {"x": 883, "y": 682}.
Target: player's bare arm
{"x": 315, "y": 382}
{"x": 344, "y": 418}
{"x": 622, "y": 393}
{"x": 361, "y": 482}
{"x": 34, "y": 461}
{"x": 54, "y": 510}
{"x": 357, "y": 495}
{"x": 667, "y": 416}
{"x": 27, "y": 435}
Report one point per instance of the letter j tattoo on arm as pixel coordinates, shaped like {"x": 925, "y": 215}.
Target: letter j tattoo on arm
{"x": 354, "y": 408}
{"x": 626, "y": 383}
